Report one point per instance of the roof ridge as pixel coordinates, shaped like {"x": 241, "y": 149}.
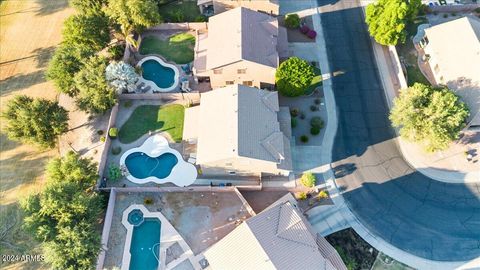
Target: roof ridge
{"x": 283, "y": 233}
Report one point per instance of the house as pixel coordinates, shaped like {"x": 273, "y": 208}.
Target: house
{"x": 241, "y": 46}
{"x": 240, "y": 130}
{"x": 453, "y": 52}
{"x": 213, "y": 7}
{"x": 277, "y": 238}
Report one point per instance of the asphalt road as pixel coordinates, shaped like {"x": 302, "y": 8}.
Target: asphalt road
{"x": 427, "y": 218}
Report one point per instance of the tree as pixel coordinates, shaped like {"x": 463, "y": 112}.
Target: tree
{"x": 294, "y": 76}
{"x": 67, "y": 61}
{"x": 95, "y": 95}
{"x": 87, "y": 30}
{"x": 387, "y": 19}
{"x": 433, "y": 116}
{"x": 121, "y": 76}
{"x": 64, "y": 215}
{"x": 133, "y": 14}
{"x": 292, "y": 20}
{"x": 87, "y": 6}
{"x": 308, "y": 179}
{"x": 37, "y": 121}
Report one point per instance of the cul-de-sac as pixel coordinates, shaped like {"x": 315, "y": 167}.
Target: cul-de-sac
{"x": 240, "y": 134}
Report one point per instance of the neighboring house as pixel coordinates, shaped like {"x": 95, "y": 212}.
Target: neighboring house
{"x": 277, "y": 238}
{"x": 213, "y": 7}
{"x": 241, "y": 46}
{"x": 240, "y": 130}
{"x": 453, "y": 51}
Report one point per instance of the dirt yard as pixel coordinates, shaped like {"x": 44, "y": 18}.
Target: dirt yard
{"x": 29, "y": 32}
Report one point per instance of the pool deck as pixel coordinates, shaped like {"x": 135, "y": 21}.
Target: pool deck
{"x": 168, "y": 237}
{"x": 182, "y": 174}
{"x": 201, "y": 218}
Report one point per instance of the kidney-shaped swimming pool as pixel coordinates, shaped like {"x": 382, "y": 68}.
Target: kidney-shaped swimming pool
{"x": 142, "y": 165}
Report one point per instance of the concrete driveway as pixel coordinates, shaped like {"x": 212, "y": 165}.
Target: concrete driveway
{"x": 427, "y": 218}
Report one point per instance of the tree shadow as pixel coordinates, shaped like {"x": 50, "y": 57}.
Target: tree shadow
{"x": 7, "y": 144}
{"x": 21, "y": 81}
{"x": 47, "y": 7}
{"x": 43, "y": 55}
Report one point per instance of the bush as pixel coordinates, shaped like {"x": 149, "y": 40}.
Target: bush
{"x": 201, "y": 18}
{"x": 116, "y": 52}
{"x": 294, "y": 122}
{"x": 114, "y": 172}
{"x": 445, "y": 15}
{"x": 316, "y": 122}
{"x": 100, "y": 132}
{"x": 113, "y": 132}
{"x": 302, "y": 196}
{"x": 318, "y": 101}
{"x": 308, "y": 179}
{"x": 293, "y": 76}
{"x": 103, "y": 139}
{"x": 302, "y": 115}
{"x": 312, "y": 34}
{"x": 177, "y": 16}
{"x": 323, "y": 194}
{"x": 292, "y": 20}
{"x": 304, "y": 138}
{"x": 128, "y": 104}
{"x": 294, "y": 112}
{"x": 116, "y": 150}
{"x": 453, "y": 14}
{"x": 148, "y": 200}
{"x": 477, "y": 10}
{"x": 304, "y": 29}
{"x": 314, "y": 131}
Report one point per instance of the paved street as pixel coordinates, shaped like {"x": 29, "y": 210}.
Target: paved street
{"x": 427, "y": 218}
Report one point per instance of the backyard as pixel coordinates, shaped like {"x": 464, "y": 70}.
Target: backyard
{"x": 177, "y": 48}
{"x": 181, "y": 11}
{"x": 147, "y": 118}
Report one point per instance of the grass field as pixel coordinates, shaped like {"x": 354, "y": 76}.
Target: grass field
{"x": 180, "y": 11}
{"x": 29, "y": 32}
{"x": 147, "y": 118}
{"x": 178, "y": 48}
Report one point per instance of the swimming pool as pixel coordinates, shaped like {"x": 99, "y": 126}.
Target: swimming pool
{"x": 161, "y": 76}
{"x": 142, "y": 165}
{"x": 154, "y": 161}
{"x": 145, "y": 245}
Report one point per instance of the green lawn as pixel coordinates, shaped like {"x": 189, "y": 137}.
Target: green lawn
{"x": 180, "y": 11}
{"x": 316, "y": 81}
{"x": 147, "y": 118}
{"x": 178, "y": 48}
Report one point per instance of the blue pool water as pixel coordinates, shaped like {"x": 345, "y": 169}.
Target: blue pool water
{"x": 144, "y": 248}
{"x": 162, "y": 76}
{"x": 141, "y": 165}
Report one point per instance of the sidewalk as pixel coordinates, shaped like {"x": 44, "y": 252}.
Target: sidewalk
{"x": 448, "y": 166}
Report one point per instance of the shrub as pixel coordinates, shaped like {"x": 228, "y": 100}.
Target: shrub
{"x": 201, "y": 18}
{"x": 294, "y": 112}
{"x": 177, "y": 16}
{"x": 114, "y": 172}
{"x": 293, "y": 76}
{"x": 294, "y": 122}
{"x": 148, "y": 200}
{"x": 304, "y": 29}
{"x": 316, "y": 122}
{"x": 313, "y": 108}
{"x": 311, "y": 34}
{"x": 116, "y": 150}
{"x": 116, "y": 52}
{"x": 113, "y": 132}
{"x": 445, "y": 15}
{"x": 100, "y": 132}
{"x": 103, "y": 139}
{"x": 302, "y": 115}
{"x": 477, "y": 10}
{"x": 302, "y": 196}
{"x": 308, "y": 179}
{"x": 304, "y": 138}
{"x": 453, "y": 14}
{"x": 314, "y": 131}
{"x": 128, "y": 104}
{"x": 292, "y": 20}
{"x": 323, "y": 194}
{"x": 318, "y": 101}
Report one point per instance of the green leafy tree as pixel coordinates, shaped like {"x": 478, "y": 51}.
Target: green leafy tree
{"x": 292, "y": 20}
{"x": 87, "y": 30}
{"x": 433, "y": 116}
{"x": 67, "y": 61}
{"x": 64, "y": 215}
{"x": 87, "y": 6}
{"x": 387, "y": 19}
{"x": 308, "y": 179}
{"x": 293, "y": 76}
{"x": 95, "y": 95}
{"x": 37, "y": 121}
{"x": 133, "y": 14}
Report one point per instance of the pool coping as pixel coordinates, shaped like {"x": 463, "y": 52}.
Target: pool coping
{"x": 168, "y": 236}
{"x": 155, "y": 87}
{"x": 185, "y": 173}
